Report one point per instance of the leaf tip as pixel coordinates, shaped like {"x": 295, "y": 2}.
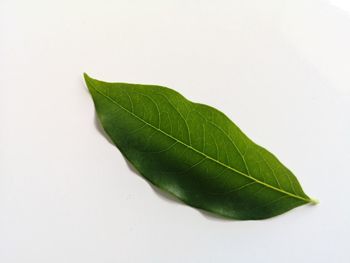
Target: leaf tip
{"x": 88, "y": 81}
{"x": 86, "y": 76}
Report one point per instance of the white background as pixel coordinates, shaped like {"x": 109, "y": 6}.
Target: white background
{"x": 280, "y": 69}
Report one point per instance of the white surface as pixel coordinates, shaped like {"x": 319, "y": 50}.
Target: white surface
{"x": 279, "y": 69}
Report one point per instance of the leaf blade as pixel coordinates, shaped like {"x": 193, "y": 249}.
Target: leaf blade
{"x": 186, "y": 138}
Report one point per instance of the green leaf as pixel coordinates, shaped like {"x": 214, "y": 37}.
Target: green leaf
{"x": 194, "y": 152}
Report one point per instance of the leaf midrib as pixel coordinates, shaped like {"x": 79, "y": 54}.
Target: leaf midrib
{"x": 201, "y": 153}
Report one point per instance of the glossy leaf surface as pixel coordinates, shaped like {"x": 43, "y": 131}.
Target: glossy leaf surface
{"x": 194, "y": 152}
